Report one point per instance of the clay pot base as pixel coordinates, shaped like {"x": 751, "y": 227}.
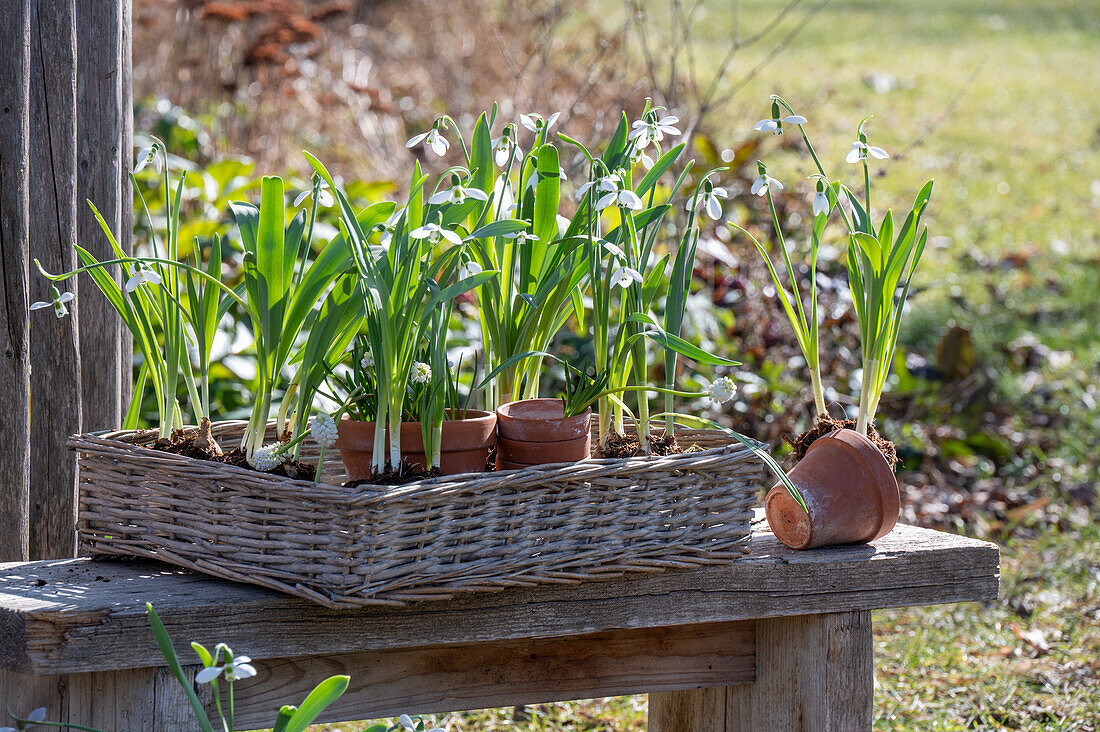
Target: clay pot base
{"x": 826, "y": 424}
{"x": 406, "y": 474}
{"x": 620, "y": 446}
{"x": 188, "y": 444}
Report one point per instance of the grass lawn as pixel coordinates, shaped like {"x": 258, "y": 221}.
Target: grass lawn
{"x": 999, "y": 102}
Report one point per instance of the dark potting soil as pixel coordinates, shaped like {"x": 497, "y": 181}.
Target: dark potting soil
{"x": 620, "y": 446}
{"x": 188, "y": 444}
{"x": 405, "y": 474}
{"x": 826, "y": 424}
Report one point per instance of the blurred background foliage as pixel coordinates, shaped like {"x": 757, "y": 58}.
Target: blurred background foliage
{"x": 994, "y": 402}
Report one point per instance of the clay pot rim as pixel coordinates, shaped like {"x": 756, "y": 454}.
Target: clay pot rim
{"x": 480, "y": 416}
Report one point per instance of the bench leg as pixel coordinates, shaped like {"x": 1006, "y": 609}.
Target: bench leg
{"x": 813, "y": 672}
{"x": 141, "y": 700}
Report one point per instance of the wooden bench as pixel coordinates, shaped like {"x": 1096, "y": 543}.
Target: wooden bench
{"x": 779, "y": 640}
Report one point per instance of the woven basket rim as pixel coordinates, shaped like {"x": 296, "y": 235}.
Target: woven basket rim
{"x": 369, "y": 492}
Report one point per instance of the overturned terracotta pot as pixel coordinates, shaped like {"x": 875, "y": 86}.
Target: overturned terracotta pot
{"x": 537, "y": 432}
{"x": 849, "y": 489}
{"x": 464, "y": 448}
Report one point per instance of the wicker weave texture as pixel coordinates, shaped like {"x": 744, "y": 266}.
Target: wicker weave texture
{"x": 345, "y": 547}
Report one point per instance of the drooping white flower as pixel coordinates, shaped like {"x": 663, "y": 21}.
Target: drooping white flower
{"x": 367, "y": 361}
{"x": 421, "y": 373}
{"x": 522, "y": 237}
{"x": 505, "y": 148}
{"x": 820, "y": 203}
{"x": 57, "y": 301}
{"x": 641, "y": 156}
{"x": 323, "y": 429}
{"x": 433, "y": 233}
{"x": 601, "y": 185}
{"x": 625, "y": 276}
{"x": 623, "y": 197}
{"x": 860, "y": 150}
{"x": 647, "y": 131}
{"x": 775, "y": 124}
{"x": 722, "y": 390}
{"x": 469, "y": 269}
{"x": 456, "y": 194}
{"x": 235, "y": 670}
{"x": 406, "y": 722}
{"x": 535, "y": 122}
{"x": 710, "y": 202}
{"x": 324, "y": 196}
{"x": 265, "y": 458}
{"x": 142, "y": 276}
{"x": 388, "y": 227}
{"x": 533, "y": 179}
{"x": 149, "y": 155}
{"x": 763, "y": 184}
{"x": 433, "y": 139}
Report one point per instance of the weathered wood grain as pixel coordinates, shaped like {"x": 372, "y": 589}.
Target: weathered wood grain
{"x": 126, "y": 204}
{"x": 55, "y": 356}
{"x": 814, "y": 673}
{"x": 430, "y": 680}
{"x": 14, "y": 336}
{"x": 101, "y": 116}
{"x": 78, "y": 615}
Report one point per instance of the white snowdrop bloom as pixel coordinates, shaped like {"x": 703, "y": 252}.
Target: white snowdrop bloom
{"x": 722, "y": 390}
{"x": 236, "y": 670}
{"x": 469, "y": 269}
{"x": 534, "y": 178}
{"x": 433, "y": 139}
{"x": 433, "y": 233}
{"x": 504, "y": 149}
{"x": 142, "y": 276}
{"x": 563, "y": 224}
{"x": 324, "y": 196}
{"x": 323, "y": 429}
{"x": 763, "y": 184}
{"x": 406, "y": 722}
{"x": 522, "y": 237}
{"x": 57, "y": 301}
{"x": 367, "y": 361}
{"x": 820, "y": 203}
{"x": 641, "y": 156}
{"x": 646, "y": 132}
{"x": 535, "y": 122}
{"x": 388, "y": 227}
{"x": 421, "y": 373}
{"x": 860, "y": 150}
{"x": 710, "y": 202}
{"x": 457, "y": 194}
{"x": 775, "y": 124}
{"x": 149, "y": 155}
{"x": 625, "y": 276}
{"x": 624, "y": 197}
{"x": 601, "y": 185}
{"x": 265, "y": 458}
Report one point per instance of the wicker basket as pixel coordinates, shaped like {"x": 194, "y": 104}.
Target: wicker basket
{"x": 430, "y": 540}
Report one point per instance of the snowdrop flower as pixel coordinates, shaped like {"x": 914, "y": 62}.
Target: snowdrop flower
{"x": 387, "y": 227}
{"x": 647, "y": 131}
{"x": 821, "y": 201}
{"x": 421, "y": 373}
{"x": 235, "y": 670}
{"x": 860, "y": 149}
{"x": 433, "y": 233}
{"x": 433, "y": 139}
{"x": 505, "y": 147}
{"x": 456, "y": 194}
{"x": 57, "y": 301}
{"x": 367, "y": 361}
{"x": 534, "y": 178}
{"x": 469, "y": 269}
{"x": 601, "y": 185}
{"x": 406, "y": 722}
{"x": 535, "y": 122}
{"x": 149, "y": 155}
{"x": 522, "y": 237}
{"x": 722, "y": 390}
{"x": 142, "y": 276}
{"x": 625, "y": 276}
{"x": 323, "y": 429}
{"x": 709, "y": 201}
{"x": 641, "y": 156}
{"x": 775, "y": 124}
{"x": 265, "y": 458}
{"x": 620, "y": 197}
{"x": 763, "y": 184}
{"x": 324, "y": 196}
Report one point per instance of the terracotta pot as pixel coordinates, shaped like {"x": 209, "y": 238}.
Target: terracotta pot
{"x": 537, "y": 432}
{"x": 849, "y": 489}
{"x": 464, "y": 449}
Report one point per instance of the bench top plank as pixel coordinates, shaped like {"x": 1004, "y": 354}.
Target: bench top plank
{"x": 76, "y": 615}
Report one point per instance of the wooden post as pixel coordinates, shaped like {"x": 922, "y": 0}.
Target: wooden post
{"x": 55, "y": 358}
{"x": 813, "y": 673}
{"x": 126, "y": 228}
{"x": 14, "y": 223}
{"x": 102, "y": 115}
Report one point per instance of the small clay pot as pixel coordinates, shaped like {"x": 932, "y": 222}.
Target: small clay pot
{"x": 464, "y": 448}
{"x": 537, "y": 432}
{"x": 849, "y": 489}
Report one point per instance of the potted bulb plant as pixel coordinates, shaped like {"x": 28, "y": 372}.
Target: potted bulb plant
{"x": 846, "y": 488}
